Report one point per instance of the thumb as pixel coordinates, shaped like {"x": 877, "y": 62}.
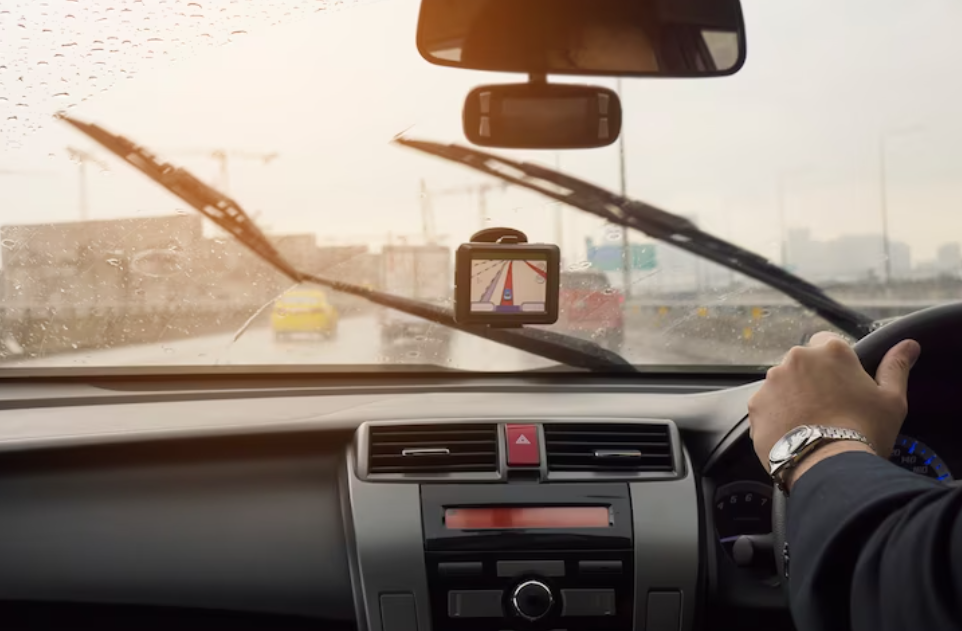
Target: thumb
{"x": 893, "y": 372}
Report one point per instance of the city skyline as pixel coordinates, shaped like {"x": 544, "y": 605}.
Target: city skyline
{"x": 716, "y": 148}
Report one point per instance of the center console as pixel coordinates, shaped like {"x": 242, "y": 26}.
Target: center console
{"x": 521, "y": 547}
{"x": 529, "y": 556}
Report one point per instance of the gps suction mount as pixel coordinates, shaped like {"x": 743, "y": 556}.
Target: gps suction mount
{"x": 506, "y": 236}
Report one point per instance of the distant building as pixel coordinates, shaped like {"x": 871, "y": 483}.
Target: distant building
{"x": 948, "y": 258}
{"x": 300, "y": 250}
{"x": 95, "y": 263}
{"x": 851, "y": 257}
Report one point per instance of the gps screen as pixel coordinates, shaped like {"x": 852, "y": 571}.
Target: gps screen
{"x": 509, "y": 285}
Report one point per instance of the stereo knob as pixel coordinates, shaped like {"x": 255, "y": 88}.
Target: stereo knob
{"x": 532, "y": 600}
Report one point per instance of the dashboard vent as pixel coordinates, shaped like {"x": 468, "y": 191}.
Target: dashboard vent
{"x": 455, "y": 448}
{"x": 629, "y": 447}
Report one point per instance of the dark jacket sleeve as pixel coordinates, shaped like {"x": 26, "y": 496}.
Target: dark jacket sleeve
{"x": 873, "y": 547}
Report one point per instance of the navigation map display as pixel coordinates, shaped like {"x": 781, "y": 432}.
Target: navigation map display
{"x": 509, "y": 285}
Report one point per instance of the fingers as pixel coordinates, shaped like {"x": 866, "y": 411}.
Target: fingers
{"x": 824, "y": 337}
{"x": 893, "y": 372}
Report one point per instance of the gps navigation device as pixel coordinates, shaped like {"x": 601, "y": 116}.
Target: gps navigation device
{"x": 507, "y": 284}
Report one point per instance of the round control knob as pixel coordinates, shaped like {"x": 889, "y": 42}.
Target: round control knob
{"x": 532, "y": 600}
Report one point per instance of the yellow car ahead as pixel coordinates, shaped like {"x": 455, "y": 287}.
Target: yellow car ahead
{"x": 304, "y": 311}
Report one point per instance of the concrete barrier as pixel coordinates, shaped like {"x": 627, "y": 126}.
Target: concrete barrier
{"x": 743, "y": 334}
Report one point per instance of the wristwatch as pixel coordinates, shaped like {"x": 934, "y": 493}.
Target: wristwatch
{"x": 798, "y": 443}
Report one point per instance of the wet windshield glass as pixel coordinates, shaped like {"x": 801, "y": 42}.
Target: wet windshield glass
{"x": 839, "y": 162}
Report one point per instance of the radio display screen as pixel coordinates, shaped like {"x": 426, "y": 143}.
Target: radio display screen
{"x": 559, "y": 517}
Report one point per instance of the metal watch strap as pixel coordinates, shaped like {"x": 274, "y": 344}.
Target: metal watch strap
{"x": 821, "y": 435}
{"x": 842, "y": 433}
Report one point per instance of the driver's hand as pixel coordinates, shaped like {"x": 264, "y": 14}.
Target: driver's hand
{"x": 824, "y": 384}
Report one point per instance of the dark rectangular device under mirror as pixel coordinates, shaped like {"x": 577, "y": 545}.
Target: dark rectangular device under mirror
{"x": 667, "y": 38}
{"x": 542, "y": 116}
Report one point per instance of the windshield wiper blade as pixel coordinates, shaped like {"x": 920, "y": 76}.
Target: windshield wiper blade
{"x": 229, "y": 215}
{"x": 653, "y": 221}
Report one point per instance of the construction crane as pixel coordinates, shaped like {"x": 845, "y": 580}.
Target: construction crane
{"x": 223, "y": 157}
{"x": 83, "y": 158}
{"x": 481, "y": 190}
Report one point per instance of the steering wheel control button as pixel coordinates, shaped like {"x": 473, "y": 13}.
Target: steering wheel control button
{"x": 664, "y": 611}
{"x": 478, "y": 603}
{"x": 460, "y": 568}
{"x": 599, "y": 567}
{"x": 532, "y": 600}
{"x": 511, "y": 569}
{"x": 523, "y": 448}
{"x": 588, "y": 602}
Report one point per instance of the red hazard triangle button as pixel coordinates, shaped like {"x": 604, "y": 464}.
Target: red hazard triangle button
{"x": 522, "y": 445}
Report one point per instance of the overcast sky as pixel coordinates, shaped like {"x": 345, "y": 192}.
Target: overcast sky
{"x": 825, "y": 81}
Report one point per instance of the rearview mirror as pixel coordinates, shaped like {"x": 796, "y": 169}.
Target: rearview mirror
{"x": 667, "y": 38}
{"x": 542, "y": 116}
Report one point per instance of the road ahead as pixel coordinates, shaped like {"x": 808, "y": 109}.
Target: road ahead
{"x": 508, "y": 286}
{"x": 357, "y": 342}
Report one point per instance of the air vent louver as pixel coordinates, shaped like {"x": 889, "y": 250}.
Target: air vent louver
{"x": 454, "y": 448}
{"x": 612, "y": 447}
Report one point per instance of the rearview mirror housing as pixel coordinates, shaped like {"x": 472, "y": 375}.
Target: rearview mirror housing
{"x": 660, "y": 38}
{"x": 542, "y": 116}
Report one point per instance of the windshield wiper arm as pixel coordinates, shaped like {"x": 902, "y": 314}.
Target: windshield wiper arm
{"x": 656, "y": 223}
{"x": 228, "y": 214}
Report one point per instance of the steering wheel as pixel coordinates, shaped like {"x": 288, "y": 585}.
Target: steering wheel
{"x": 936, "y": 330}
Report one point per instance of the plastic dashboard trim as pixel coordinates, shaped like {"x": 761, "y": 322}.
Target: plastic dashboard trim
{"x": 387, "y": 555}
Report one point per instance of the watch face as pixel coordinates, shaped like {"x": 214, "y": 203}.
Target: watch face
{"x": 789, "y": 443}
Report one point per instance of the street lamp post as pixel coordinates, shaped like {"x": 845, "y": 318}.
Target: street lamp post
{"x": 883, "y": 208}
{"x": 884, "y": 136}
{"x": 559, "y": 209}
{"x": 625, "y": 245}
{"x": 782, "y": 234}
{"x": 784, "y": 257}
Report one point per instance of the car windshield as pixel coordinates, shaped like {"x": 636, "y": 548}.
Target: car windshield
{"x": 300, "y": 299}
{"x": 833, "y": 153}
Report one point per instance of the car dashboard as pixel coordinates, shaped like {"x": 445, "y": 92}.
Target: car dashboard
{"x": 465, "y": 504}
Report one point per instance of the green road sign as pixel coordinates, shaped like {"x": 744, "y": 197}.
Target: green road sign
{"x": 609, "y": 258}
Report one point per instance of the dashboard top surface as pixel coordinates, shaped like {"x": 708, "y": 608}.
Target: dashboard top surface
{"x": 36, "y": 415}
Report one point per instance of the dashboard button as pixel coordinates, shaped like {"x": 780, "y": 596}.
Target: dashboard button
{"x": 599, "y": 567}
{"x": 460, "y": 568}
{"x": 510, "y": 569}
{"x": 480, "y": 603}
{"x": 588, "y": 602}
{"x": 523, "y": 450}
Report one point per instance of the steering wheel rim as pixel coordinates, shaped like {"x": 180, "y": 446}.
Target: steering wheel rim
{"x": 928, "y": 327}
